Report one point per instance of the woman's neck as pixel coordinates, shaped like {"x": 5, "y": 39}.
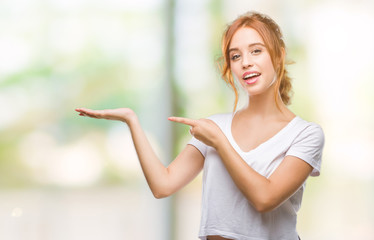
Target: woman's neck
{"x": 264, "y": 106}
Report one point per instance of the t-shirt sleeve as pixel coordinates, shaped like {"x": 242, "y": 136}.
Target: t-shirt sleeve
{"x": 308, "y": 146}
{"x": 199, "y": 145}
{"x": 219, "y": 119}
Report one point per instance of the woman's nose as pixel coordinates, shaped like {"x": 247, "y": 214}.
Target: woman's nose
{"x": 246, "y": 62}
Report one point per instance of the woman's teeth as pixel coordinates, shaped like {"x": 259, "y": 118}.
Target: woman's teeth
{"x": 251, "y": 75}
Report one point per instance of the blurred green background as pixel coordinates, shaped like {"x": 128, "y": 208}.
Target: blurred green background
{"x": 67, "y": 177}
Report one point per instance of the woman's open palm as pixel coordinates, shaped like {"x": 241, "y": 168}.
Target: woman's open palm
{"x": 120, "y": 114}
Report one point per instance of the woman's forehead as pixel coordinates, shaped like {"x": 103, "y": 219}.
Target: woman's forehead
{"x": 245, "y": 36}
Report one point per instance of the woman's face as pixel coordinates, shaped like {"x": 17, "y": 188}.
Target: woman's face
{"x": 250, "y": 61}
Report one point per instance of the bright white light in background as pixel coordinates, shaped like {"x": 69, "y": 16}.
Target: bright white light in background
{"x": 121, "y": 148}
{"x": 145, "y": 49}
{"x": 115, "y": 40}
{"x": 76, "y": 164}
{"x": 15, "y": 54}
{"x": 35, "y": 149}
{"x": 111, "y": 4}
{"x": 193, "y": 46}
{"x": 13, "y": 104}
{"x": 354, "y": 157}
{"x": 17, "y": 212}
{"x": 67, "y": 36}
{"x": 341, "y": 52}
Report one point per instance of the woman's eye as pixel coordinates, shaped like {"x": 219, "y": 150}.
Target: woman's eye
{"x": 235, "y": 57}
{"x": 256, "y": 51}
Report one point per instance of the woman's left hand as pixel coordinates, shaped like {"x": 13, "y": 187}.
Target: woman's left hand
{"x": 204, "y": 130}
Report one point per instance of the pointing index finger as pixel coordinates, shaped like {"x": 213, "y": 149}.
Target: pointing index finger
{"x": 187, "y": 121}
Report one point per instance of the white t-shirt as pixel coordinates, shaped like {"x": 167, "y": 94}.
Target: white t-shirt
{"x": 225, "y": 210}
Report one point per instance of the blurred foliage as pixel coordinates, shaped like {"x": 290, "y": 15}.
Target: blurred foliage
{"x": 60, "y": 73}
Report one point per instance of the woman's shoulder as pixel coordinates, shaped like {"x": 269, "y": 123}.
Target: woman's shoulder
{"x": 308, "y": 124}
{"x": 309, "y": 128}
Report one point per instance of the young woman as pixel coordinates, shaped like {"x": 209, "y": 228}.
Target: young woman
{"x": 256, "y": 160}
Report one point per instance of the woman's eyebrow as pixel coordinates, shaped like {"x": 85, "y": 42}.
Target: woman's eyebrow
{"x": 250, "y": 45}
{"x": 258, "y": 43}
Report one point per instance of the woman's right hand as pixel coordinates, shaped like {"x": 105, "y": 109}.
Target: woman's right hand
{"x": 120, "y": 114}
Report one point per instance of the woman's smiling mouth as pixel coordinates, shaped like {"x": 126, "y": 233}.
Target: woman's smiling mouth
{"x": 251, "y": 77}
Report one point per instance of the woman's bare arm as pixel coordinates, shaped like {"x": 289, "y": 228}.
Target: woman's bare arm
{"x": 163, "y": 181}
{"x": 265, "y": 194}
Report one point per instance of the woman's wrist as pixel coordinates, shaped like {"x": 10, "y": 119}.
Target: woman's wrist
{"x": 220, "y": 142}
{"x": 130, "y": 119}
